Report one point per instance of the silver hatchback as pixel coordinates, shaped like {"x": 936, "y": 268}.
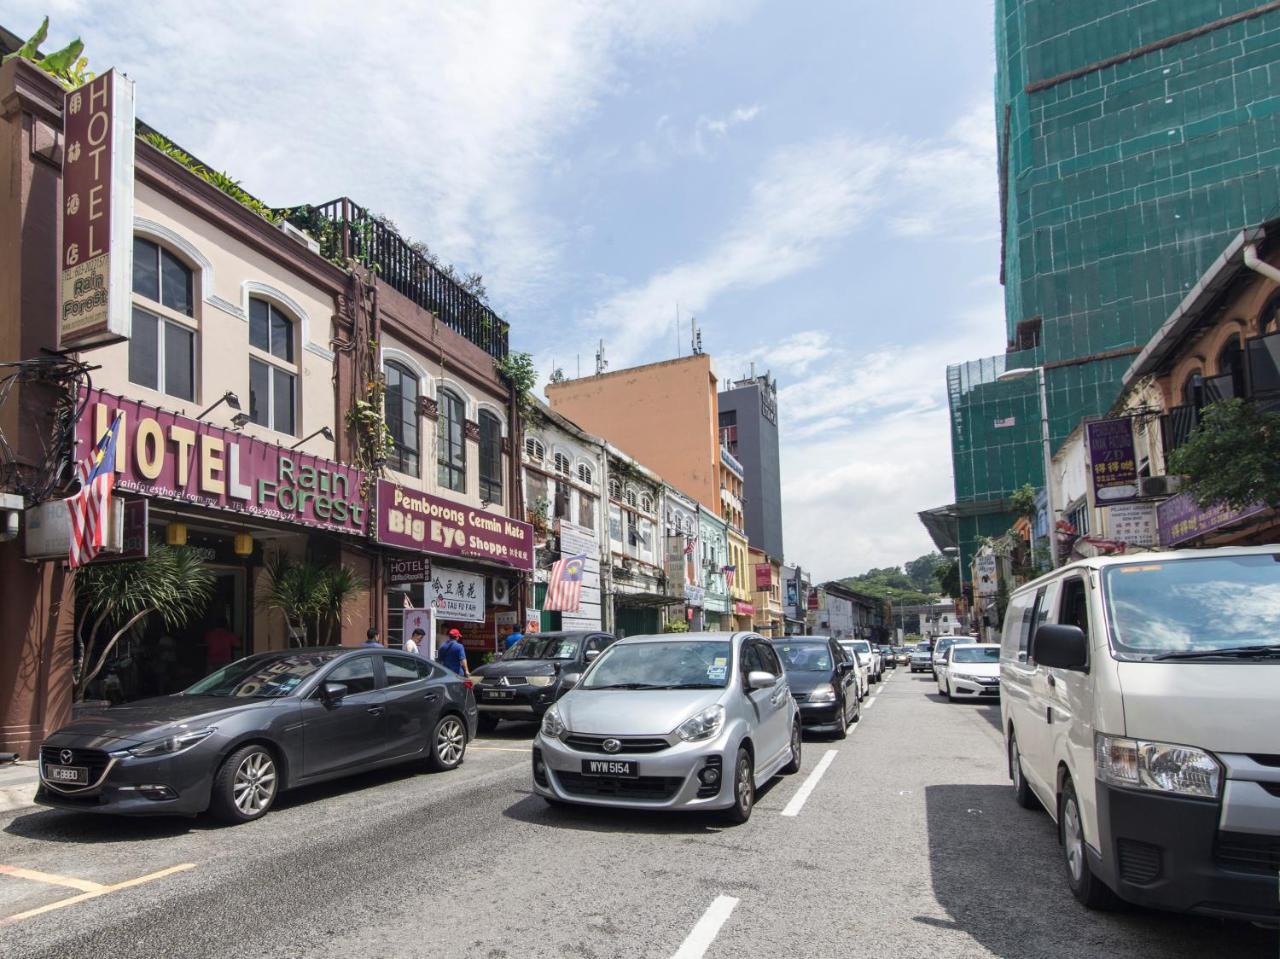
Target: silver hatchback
{"x": 693, "y": 721}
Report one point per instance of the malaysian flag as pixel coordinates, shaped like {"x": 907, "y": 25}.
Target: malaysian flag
{"x": 564, "y": 588}
{"x": 91, "y": 506}
{"x": 729, "y": 573}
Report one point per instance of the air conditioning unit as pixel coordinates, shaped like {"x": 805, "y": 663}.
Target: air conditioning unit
{"x": 1159, "y": 485}
{"x": 301, "y": 236}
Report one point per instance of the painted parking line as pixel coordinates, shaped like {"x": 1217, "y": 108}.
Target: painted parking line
{"x": 94, "y": 893}
{"x": 501, "y": 749}
{"x": 869, "y": 703}
{"x": 802, "y": 794}
{"x": 52, "y": 879}
{"x": 707, "y": 928}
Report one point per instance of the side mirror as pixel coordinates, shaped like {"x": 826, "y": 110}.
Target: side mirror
{"x": 569, "y": 680}
{"x": 759, "y": 679}
{"x": 592, "y": 654}
{"x": 333, "y": 693}
{"x": 1060, "y": 647}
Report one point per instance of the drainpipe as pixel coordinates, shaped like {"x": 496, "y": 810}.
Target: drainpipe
{"x": 1258, "y": 265}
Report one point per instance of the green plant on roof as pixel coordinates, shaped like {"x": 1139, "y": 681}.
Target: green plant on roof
{"x": 67, "y": 66}
{"x": 215, "y": 178}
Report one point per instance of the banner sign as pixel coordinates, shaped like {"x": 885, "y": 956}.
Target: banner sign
{"x": 1113, "y": 465}
{"x": 743, "y": 609}
{"x": 97, "y": 213}
{"x": 1132, "y": 523}
{"x": 764, "y": 577}
{"x": 984, "y": 566}
{"x": 405, "y": 570}
{"x": 454, "y": 594}
{"x": 136, "y": 540}
{"x": 412, "y": 519}
{"x": 425, "y": 620}
{"x": 1179, "y": 518}
{"x": 694, "y": 595}
{"x": 172, "y": 457}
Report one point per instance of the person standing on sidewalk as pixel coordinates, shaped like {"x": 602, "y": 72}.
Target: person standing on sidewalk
{"x": 371, "y": 638}
{"x": 414, "y": 643}
{"x": 453, "y": 655}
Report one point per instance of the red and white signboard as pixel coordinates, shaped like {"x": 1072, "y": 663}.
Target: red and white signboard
{"x": 97, "y": 212}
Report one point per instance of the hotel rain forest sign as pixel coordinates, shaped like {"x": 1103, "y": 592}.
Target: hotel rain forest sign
{"x": 171, "y": 457}
{"x": 412, "y": 519}
{"x": 97, "y": 213}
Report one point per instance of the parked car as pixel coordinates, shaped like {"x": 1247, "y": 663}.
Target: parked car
{"x": 903, "y": 653}
{"x": 888, "y": 656}
{"x": 1139, "y": 708}
{"x": 970, "y": 670}
{"x": 693, "y": 721}
{"x": 943, "y": 643}
{"x": 861, "y": 666}
{"x": 239, "y": 737}
{"x": 533, "y": 674}
{"x": 922, "y": 659}
{"x": 823, "y": 680}
{"x": 870, "y": 657}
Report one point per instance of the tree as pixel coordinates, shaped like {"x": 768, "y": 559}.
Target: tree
{"x": 172, "y": 582}
{"x": 1231, "y": 456}
{"x": 921, "y": 570}
{"x": 947, "y": 578}
{"x": 310, "y": 596}
{"x": 1023, "y": 500}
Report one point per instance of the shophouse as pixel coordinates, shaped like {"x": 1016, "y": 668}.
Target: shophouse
{"x": 766, "y": 580}
{"x": 635, "y": 583}
{"x": 718, "y": 572}
{"x": 742, "y": 582}
{"x": 563, "y": 481}
{"x": 685, "y": 574}
{"x": 795, "y": 595}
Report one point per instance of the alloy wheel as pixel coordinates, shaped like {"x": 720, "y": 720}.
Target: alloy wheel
{"x": 1073, "y": 838}
{"x": 451, "y": 740}
{"x": 254, "y": 785}
{"x": 746, "y": 787}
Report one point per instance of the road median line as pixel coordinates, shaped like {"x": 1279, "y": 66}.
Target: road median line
{"x": 802, "y": 794}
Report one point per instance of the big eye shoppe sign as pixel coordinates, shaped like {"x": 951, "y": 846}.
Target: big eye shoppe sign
{"x": 172, "y": 457}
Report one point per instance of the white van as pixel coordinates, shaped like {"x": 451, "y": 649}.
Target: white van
{"x": 1140, "y": 702}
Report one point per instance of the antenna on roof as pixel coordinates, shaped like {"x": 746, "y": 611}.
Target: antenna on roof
{"x": 579, "y": 356}
{"x": 601, "y": 363}
{"x": 695, "y": 336}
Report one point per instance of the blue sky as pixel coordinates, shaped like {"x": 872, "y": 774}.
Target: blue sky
{"x": 814, "y": 181}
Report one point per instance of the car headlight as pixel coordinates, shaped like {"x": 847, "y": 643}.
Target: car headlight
{"x": 172, "y": 744}
{"x": 822, "y": 694}
{"x": 702, "y": 726}
{"x": 552, "y": 724}
{"x": 1163, "y": 767}
{"x": 539, "y": 680}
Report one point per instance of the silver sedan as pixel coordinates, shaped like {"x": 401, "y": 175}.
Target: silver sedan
{"x": 697, "y": 721}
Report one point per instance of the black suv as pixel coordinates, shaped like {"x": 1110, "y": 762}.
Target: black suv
{"x": 533, "y": 674}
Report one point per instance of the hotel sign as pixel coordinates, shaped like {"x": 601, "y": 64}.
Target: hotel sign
{"x": 412, "y": 519}
{"x": 96, "y": 263}
{"x": 171, "y": 457}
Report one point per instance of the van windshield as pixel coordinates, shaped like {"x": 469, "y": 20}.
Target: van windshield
{"x": 1193, "y": 605}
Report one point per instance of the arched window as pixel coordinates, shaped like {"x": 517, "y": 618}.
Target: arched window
{"x": 1231, "y": 363}
{"x": 562, "y": 465}
{"x": 401, "y": 411}
{"x": 162, "y": 344}
{"x": 584, "y": 474}
{"x": 273, "y": 375}
{"x": 631, "y": 498}
{"x": 646, "y": 503}
{"x": 451, "y": 444}
{"x": 490, "y": 457}
{"x": 534, "y": 449}
{"x": 1192, "y": 389}
{"x": 615, "y": 488}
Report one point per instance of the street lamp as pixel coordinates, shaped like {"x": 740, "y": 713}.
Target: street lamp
{"x": 1017, "y": 374}
{"x": 228, "y": 397}
{"x": 322, "y": 431}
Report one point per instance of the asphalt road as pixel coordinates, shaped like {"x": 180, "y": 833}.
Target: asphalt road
{"x": 909, "y": 844}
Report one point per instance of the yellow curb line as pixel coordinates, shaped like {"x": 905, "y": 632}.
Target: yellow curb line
{"x": 84, "y": 885}
{"x": 100, "y": 891}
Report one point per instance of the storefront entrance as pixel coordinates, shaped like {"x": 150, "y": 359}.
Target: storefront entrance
{"x": 636, "y": 621}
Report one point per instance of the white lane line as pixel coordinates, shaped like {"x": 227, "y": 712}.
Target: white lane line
{"x": 802, "y": 794}
{"x": 708, "y": 927}
{"x": 869, "y": 703}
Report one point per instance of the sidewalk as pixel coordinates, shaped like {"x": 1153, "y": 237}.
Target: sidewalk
{"x": 18, "y": 783}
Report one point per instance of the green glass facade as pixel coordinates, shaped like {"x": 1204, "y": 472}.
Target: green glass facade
{"x": 1124, "y": 173}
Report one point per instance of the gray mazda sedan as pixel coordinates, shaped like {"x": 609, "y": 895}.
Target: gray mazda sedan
{"x": 694, "y": 721}
{"x": 233, "y": 741}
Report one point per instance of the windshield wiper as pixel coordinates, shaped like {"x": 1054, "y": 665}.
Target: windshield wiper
{"x": 690, "y": 686}
{"x": 1229, "y": 652}
{"x": 627, "y": 686}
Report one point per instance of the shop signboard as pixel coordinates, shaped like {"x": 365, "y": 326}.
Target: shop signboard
{"x": 97, "y": 212}
{"x": 676, "y": 565}
{"x": 1113, "y": 464}
{"x": 407, "y": 570}
{"x": 743, "y": 609}
{"x": 167, "y": 456}
{"x": 135, "y": 541}
{"x": 509, "y": 618}
{"x": 694, "y": 595}
{"x": 1180, "y": 518}
{"x": 1132, "y": 523}
{"x": 456, "y": 595}
{"x": 764, "y": 577}
{"x": 414, "y": 520}
{"x": 984, "y": 570}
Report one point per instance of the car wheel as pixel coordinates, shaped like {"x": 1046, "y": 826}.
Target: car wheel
{"x": 951, "y": 697}
{"x": 486, "y": 724}
{"x": 245, "y": 786}
{"x": 842, "y": 724}
{"x": 857, "y": 711}
{"x": 796, "y": 745}
{"x": 1091, "y": 891}
{"x": 448, "y": 743}
{"x": 1022, "y": 793}
{"x": 744, "y": 788}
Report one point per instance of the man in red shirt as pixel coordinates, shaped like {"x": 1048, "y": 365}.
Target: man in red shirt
{"x": 219, "y": 646}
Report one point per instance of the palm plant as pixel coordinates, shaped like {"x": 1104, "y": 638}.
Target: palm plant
{"x": 173, "y": 582}
{"x": 308, "y": 594}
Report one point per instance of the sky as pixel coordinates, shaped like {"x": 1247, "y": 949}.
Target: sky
{"x": 814, "y": 182}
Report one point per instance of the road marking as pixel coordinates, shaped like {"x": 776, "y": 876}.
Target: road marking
{"x": 94, "y": 894}
{"x": 502, "y": 749}
{"x": 84, "y": 885}
{"x": 802, "y": 794}
{"x": 869, "y": 703}
{"x": 707, "y": 928}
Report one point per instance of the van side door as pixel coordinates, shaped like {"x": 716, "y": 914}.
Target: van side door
{"x": 1070, "y": 701}
{"x": 1017, "y": 676}
{"x": 1038, "y": 763}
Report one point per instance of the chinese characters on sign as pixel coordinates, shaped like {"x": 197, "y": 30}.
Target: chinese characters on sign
{"x": 1113, "y": 464}
{"x": 1132, "y": 523}
{"x": 454, "y": 594}
{"x": 1180, "y": 519}
{"x": 97, "y": 212}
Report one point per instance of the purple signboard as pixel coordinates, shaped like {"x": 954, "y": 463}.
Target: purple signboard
{"x": 172, "y": 457}
{"x": 1113, "y": 466}
{"x": 1180, "y": 519}
{"x": 412, "y": 519}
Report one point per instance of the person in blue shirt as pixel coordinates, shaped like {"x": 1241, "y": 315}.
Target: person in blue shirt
{"x": 371, "y": 638}
{"x": 452, "y": 655}
{"x": 514, "y": 638}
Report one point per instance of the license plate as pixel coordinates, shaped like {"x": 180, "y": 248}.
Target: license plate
{"x": 497, "y": 694}
{"x": 610, "y": 767}
{"x": 67, "y": 774}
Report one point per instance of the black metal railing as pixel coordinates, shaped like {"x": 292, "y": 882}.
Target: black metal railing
{"x": 347, "y": 231}
{"x": 1177, "y": 424}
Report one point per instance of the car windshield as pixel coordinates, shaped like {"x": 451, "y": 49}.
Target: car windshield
{"x": 260, "y": 678}
{"x": 805, "y": 657}
{"x": 1193, "y": 605}
{"x": 678, "y": 664}
{"x": 861, "y": 646}
{"x": 977, "y": 654}
{"x": 543, "y": 647}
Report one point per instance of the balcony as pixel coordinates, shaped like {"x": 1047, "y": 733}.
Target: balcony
{"x": 347, "y": 231}
{"x": 731, "y": 461}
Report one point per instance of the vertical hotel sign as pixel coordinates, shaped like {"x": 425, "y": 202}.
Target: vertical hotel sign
{"x": 97, "y": 212}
